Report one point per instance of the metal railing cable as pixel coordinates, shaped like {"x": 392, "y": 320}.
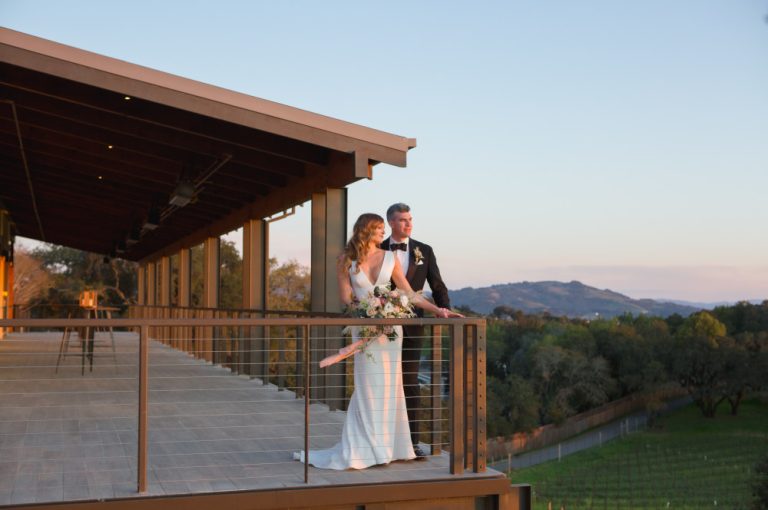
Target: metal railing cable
{"x": 222, "y": 401}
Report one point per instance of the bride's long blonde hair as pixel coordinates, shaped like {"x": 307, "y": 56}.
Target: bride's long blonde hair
{"x": 357, "y": 248}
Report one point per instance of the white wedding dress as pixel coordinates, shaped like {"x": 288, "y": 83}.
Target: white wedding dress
{"x": 376, "y": 429}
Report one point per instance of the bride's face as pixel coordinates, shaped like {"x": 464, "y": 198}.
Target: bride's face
{"x": 377, "y": 234}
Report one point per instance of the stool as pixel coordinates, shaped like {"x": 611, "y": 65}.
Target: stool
{"x": 87, "y": 337}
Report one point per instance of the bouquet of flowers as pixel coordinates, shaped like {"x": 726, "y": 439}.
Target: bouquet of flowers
{"x": 381, "y": 303}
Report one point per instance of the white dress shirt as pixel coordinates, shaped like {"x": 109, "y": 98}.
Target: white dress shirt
{"x": 403, "y": 256}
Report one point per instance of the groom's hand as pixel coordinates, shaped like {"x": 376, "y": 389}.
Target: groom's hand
{"x": 445, "y": 313}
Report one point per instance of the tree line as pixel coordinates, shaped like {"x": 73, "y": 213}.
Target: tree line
{"x": 50, "y": 278}
{"x": 543, "y": 369}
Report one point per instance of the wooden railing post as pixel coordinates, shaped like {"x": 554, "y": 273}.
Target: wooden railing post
{"x": 235, "y": 337}
{"x": 186, "y": 331}
{"x": 436, "y": 389}
{"x": 282, "y": 346}
{"x": 218, "y": 341}
{"x": 167, "y": 331}
{"x": 469, "y": 396}
{"x": 143, "y": 404}
{"x": 457, "y": 433}
{"x": 479, "y": 452}
{"x": 199, "y": 335}
{"x": 208, "y": 342}
{"x": 305, "y": 350}
{"x": 267, "y": 343}
{"x": 298, "y": 367}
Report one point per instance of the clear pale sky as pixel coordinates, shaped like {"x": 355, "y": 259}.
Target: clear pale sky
{"x": 621, "y": 144}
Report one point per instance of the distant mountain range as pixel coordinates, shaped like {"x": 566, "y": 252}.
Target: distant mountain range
{"x": 710, "y": 305}
{"x": 573, "y": 299}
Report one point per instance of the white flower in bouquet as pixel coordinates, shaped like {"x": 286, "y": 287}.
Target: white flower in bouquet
{"x": 381, "y": 303}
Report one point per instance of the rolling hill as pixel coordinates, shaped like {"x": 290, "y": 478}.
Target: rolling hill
{"x": 573, "y": 299}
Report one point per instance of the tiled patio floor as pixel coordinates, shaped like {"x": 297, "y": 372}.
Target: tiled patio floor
{"x": 66, "y": 436}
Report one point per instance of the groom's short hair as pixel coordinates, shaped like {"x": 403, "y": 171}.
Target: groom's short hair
{"x": 395, "y": 208}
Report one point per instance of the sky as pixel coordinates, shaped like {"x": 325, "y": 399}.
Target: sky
{"x": 620, "y": 144}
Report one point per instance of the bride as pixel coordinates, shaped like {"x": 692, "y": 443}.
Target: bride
{"x": 376, "y": 428}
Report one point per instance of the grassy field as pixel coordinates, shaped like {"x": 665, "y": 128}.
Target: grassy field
{"x": 685, "y": 462}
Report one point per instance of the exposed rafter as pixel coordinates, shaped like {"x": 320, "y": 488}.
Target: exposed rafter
{"x": 25, "y": 164}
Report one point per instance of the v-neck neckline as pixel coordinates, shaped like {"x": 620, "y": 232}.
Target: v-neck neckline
{"x": 381, "y": 267}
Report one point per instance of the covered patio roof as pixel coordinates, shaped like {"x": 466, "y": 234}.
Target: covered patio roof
{"x": 92, "y": 149}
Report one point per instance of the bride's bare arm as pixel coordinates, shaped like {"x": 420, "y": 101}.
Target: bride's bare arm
{"x": 402, "y": 283}
{"x": 345, "y": 287}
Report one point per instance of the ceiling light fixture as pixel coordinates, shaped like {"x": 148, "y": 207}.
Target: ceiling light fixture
{"x": 153, "y": 218}
{"x": 133, "y": 237}
{"x": 183, "y": 194}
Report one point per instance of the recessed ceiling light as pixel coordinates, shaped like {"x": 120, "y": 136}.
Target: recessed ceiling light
{"x": 110, "y": 146}
{"x": 127, "y": 98}
{"x": 100, "y": 177}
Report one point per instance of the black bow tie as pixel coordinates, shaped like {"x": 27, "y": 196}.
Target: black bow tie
{"x": 398, "y": 246}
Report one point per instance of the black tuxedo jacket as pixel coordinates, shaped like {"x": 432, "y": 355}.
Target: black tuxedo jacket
{"x": 425, "y": 270}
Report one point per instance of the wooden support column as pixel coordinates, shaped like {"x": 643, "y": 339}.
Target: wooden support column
{"x": 3, "y": 292}
{"x": 164, "y": 281}
{"x": 254, "y": 348}
{"x": 211, "y": 269}
{"x": 164, "y": 295}
{"x": 142, "y": 284}
{"x": 211, "y": 266}
{"x": 185, "y": 277}
{"x": 9, "y": 279}
{"x": 150, "y": 312}
{"x": 5, "y": 252}
{"x": 151, "y": 283}
{"x": 185, "y": 296}
{"x": 9, "y": 298}
{"x": 329, "y": 230}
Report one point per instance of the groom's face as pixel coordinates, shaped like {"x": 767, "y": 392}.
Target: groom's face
{"x": 401, "y": 224}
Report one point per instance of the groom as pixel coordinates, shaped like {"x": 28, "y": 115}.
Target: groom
{"x": 419, "y": 265}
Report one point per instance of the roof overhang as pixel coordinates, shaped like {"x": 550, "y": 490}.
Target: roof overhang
{"x": 90, "y": 145}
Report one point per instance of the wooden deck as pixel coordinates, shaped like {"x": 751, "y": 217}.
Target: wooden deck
{"x": 70, "y": 437}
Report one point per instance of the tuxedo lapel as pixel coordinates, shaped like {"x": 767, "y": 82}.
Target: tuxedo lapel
{"x": 411, "y": 261}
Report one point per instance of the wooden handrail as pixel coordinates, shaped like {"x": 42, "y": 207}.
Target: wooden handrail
{"x": 256, "y": 321}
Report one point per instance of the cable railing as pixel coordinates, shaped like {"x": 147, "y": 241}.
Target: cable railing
{"x": 178, "y": 401}
{"x": 258, "y": 351}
